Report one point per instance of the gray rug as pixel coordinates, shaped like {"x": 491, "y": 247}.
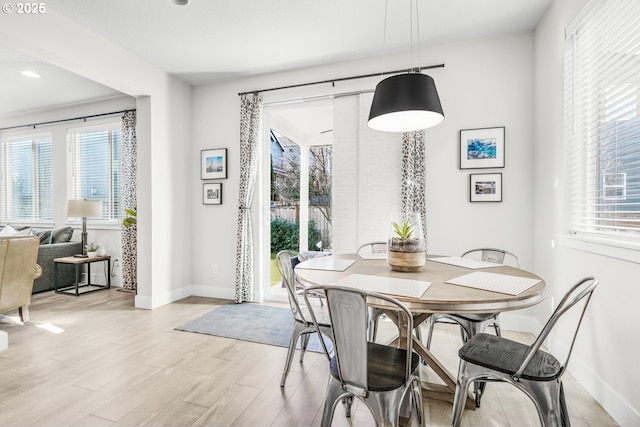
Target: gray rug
{"x": 251, "y": 322}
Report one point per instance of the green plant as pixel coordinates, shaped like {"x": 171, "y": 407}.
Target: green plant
{"x": 91, "y": 247}
{"x": 131, "y": 218}
{"x": 285, "y": 235}
{"x": 404, "y": 230}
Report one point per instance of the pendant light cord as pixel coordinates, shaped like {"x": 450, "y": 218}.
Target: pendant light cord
{"x": 411, "y": 29}
{"x": 418, "y": 29}
{"x": 384, "y": 35}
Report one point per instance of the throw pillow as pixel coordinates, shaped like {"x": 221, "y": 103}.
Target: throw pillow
{"x": 8, "y": 230}
{"x": 44, "y": 235}
{"x": 25, "y": 232}
{"x": 61, "y": 235}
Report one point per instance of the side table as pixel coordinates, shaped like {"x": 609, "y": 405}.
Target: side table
{"x": 78, "y": 263}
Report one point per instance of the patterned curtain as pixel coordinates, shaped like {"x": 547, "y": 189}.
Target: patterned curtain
{"x": 413, "y": 177}
{"x": 129, "y": 188}
{"x": 250, "y": 118}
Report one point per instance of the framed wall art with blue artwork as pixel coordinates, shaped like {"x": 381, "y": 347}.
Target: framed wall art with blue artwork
{"x": 213, "y": 163}
{"x": 482, "y": 148}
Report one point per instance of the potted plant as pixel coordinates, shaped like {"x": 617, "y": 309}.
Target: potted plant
{"x": 92, "y": 249}
{"x": 406, "y": 246}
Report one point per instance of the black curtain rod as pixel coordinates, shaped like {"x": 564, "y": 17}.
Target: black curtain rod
{"x": 33, "y": 125}
{"x": 418, "y": 69}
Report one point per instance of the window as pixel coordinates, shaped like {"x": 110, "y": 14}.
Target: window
{"x": 93, "y": 167}
{"x": 602, "y": 120}
{"x": 26, "y": 174}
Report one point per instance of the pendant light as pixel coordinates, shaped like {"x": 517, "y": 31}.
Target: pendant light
{"x": 406, "y": 102}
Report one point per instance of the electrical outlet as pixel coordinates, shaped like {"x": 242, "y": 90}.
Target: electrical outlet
{"x": 215, "y": 268}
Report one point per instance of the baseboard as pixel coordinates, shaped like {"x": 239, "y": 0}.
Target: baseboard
{"x": 150, "y": 303}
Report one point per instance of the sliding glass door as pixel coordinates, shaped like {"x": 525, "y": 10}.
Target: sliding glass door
{"x": 297, "y": 185}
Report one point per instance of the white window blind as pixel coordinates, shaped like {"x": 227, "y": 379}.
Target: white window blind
{"x": 602, "y": 119}
{"x": 26, "y": 178}
{"x": 93, "y": 167}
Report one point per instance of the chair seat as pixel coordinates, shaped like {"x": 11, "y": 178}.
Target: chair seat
{"x": 386, "y": 367}
{"x": 506, "y": 356}
{"x": 475, "y": 317}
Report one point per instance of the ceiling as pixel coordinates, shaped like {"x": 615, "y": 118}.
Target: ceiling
{"x": 210, "y": 41}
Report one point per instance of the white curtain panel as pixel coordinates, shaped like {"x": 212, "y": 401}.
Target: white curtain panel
{"x": 250, "y": 119}
{"x": 129, "y": 189}
{"x": 413, "y": 176}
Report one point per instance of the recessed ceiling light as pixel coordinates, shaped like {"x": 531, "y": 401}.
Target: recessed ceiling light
{"x": 181, "y": 2}
{"x": 31, "y": 74}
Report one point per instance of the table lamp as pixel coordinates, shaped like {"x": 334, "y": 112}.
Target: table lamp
{"x": 84, "y": 209}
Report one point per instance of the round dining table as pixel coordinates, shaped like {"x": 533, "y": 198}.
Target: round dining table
{"x": 439, "y": 296}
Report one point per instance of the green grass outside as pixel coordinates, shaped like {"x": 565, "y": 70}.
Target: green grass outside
{"x": 275, "y": 274}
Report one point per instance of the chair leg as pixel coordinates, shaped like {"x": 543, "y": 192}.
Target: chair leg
{"x": 24, "y": 313}
{"x": 374, "y": 314}
{"x": 292, "y": 348}
{"x": 347, "y": 401}
{"x": 432, "y": 322}
{"x": 564, "y": 413}
{"x": 460, "y": 396}
{"x": 548, "y": 397}
{"x": 304, "y": 342}
{"x": 385, "y": 407}
{"x": 334, "y": 393}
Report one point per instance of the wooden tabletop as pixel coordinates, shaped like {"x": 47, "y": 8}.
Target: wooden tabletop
{"x": 81, "y": 260}
{"x": 440, "y": 297}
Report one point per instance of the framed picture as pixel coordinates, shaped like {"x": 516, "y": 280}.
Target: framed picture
{"x": 485, "y": 187}
{"x": 212, "y": 193}
{"x": 213, "y": 164}
{"x": 482, "y": 148}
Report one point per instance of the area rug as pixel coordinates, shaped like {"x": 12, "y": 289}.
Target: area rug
{"x": 251, "y": 322}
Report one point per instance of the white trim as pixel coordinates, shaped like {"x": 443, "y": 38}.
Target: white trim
{"x": 624, "y": 250}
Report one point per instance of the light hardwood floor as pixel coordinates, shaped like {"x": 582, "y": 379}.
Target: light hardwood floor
{"x": 96, "y": 361}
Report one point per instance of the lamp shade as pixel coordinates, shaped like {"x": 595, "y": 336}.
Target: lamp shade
{"x": 405, "y": 103}
{"x": 84, "y": 209}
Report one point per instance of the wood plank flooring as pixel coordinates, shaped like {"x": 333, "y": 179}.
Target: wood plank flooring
{"x": 96, "y": 361}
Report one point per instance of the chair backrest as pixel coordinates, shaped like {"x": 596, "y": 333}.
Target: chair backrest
{"x": 497, "y": 256}
{"x": 373, "y": 247}
{"x": 18, "y": 268}
{"x": 348, "y": 313}
{"x": 285, "y": 261}
{"x": 579, "y": 293}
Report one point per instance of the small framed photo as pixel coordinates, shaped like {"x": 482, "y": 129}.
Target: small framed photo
{"x": 213, "y": 164}
{"x": 485, "y": 187}
{"x": 482, "y": 148}
{"x": 212, "y": 193}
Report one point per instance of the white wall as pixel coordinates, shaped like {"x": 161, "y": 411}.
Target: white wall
{"x": 484, "y": 83}
{"x": 605, "y": 356}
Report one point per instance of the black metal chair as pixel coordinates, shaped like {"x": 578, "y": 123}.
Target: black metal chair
{"x": 373, "y": 247}
{"x": 534, "y": 371}
{"x": 473, "y": 324}
{"x": 374, "y": 314}
{"x": 382, "y": 377}
{"x": 303, "y": 325}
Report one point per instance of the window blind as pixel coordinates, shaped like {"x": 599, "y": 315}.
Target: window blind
{"x": 93, "y": 167}
{"x": 602, "y": 123}
{"x": 27, "y": 177}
